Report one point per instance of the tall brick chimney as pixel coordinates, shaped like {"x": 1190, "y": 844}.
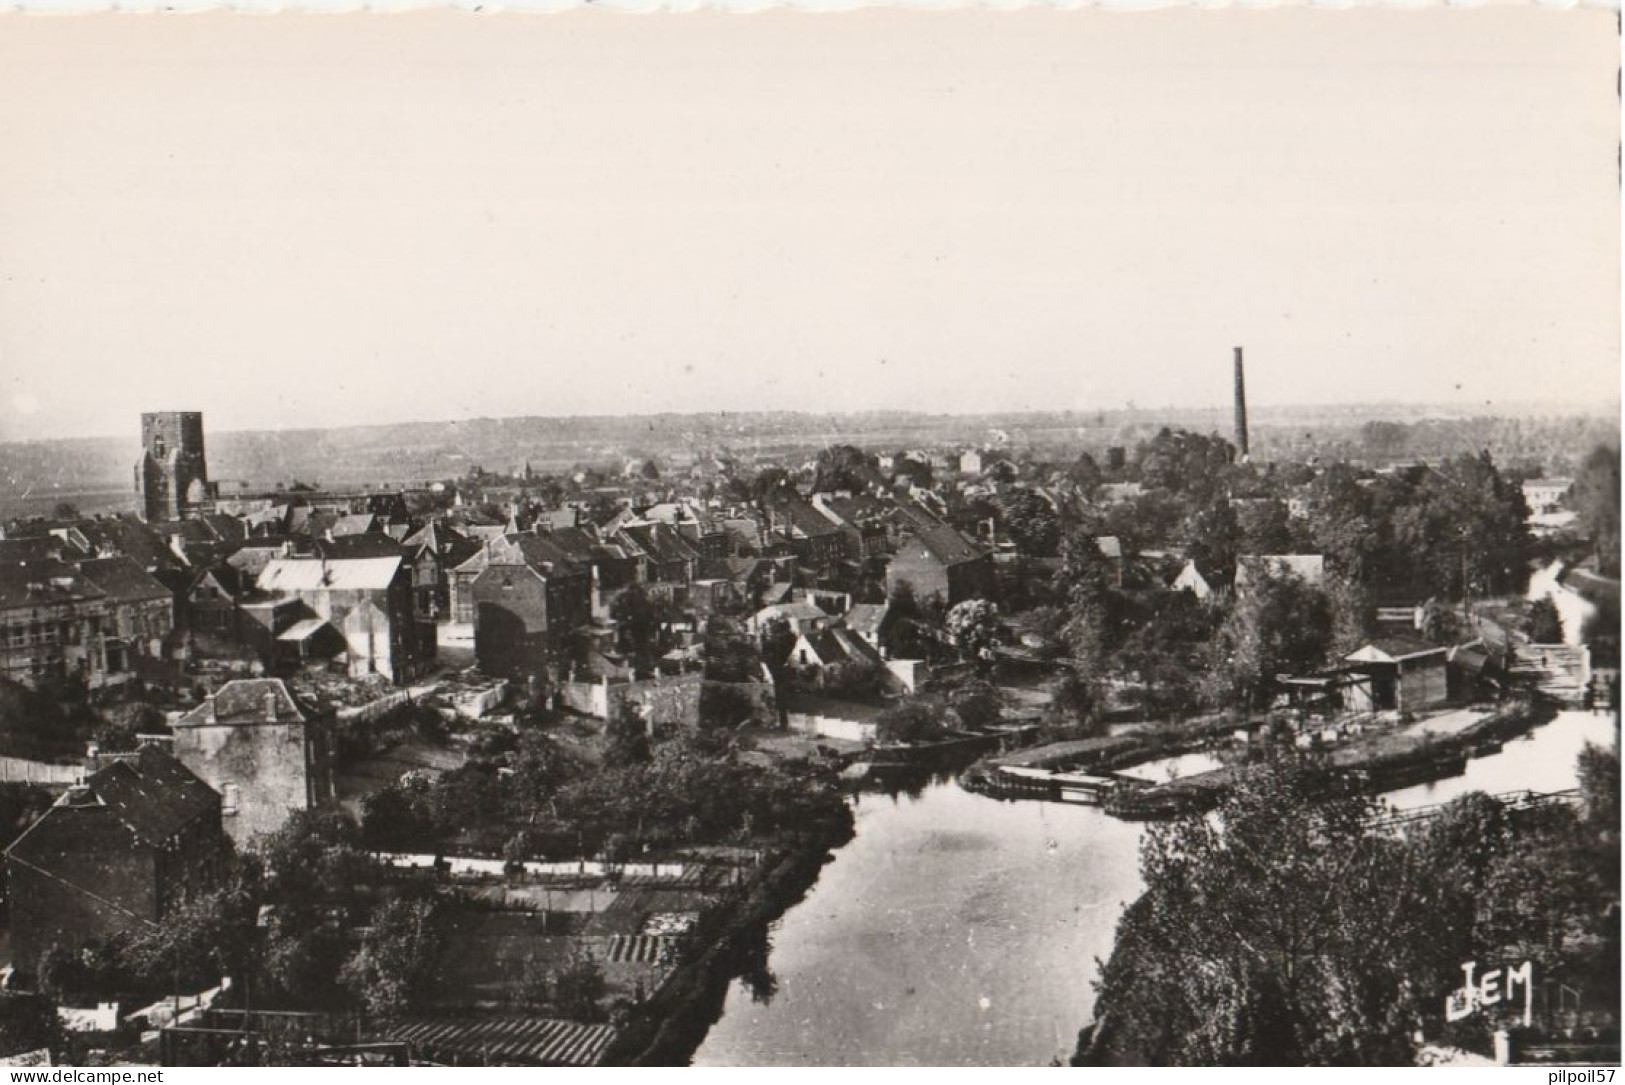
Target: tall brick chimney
{"x": 1241, "y": 409}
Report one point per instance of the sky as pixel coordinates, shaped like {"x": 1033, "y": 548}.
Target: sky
{"x": 311, "y": 220}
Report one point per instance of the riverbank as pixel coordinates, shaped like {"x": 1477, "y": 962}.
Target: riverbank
{"x": 1092, "y": 770}
{"x": 1375, "y": 763}
{"x": 1088, "y": 770}
{"x": 733, "y": 940}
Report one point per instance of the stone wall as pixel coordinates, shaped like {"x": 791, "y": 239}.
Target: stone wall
{"x": 662, "y": 701}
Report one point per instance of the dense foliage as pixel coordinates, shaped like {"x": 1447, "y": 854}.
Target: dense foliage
{"x": 1287, "y": 929}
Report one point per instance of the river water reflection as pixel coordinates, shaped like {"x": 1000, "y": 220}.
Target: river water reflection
{"x": 956, "y": 929}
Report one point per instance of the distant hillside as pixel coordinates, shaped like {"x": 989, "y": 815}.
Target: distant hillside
{"x": 97, "y": 473}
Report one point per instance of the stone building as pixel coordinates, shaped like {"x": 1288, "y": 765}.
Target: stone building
{"x": 530, "y": 593}
{"x": 362, "y": 608}
{"x": 114, "y": 855}
{"x": 938, "y": 562}
{"x": 266, "y": 754}
{"x": 90, "y": 621}
{"x": 172, "y": 475}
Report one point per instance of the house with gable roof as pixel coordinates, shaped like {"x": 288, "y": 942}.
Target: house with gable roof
{"x": 114, "y": 856}
{"x": 934, "y": 560}
{"x": 268, "y": 755}
{"x": 367, "y": 602}
{"x": 530, "y": 593}
{"x": 435, "y": 550}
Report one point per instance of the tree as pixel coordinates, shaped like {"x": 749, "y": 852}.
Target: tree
{"x": 768, "y": 484}
{"x": 1079, "y": 698}
{"x": 1266, "y": 528}
{"x": 59, "y": 973}
{"x": 1383, "y": 440}
{"x": 777, "y": 640}
{"x": 637, "y": 626}
{"x": 1212, "y": 537}
{"x": 392, "y": 972}
{"x": 1545, "y": 624}
{"x": 843, "y": 467}
{"x": 974, "y": 626}
{"x": 911, "y": 719}
{"x": 1086, "y": 475}
{"x": 917, "y": 472}
{"x": 1474, "y": 534}
{"x": 723, "y": 706}
{"x": 124, "y": 724}
{"x": 1283, "y": 930}
{"x": 1280, "y": 625}
{"x": 65, "y": 510}
{"x": 539, "y": 767}
{"x": 1031, "y": 523}
{"x": 208, "y": 937}
{"x": 579, "y": 988}
{"x": 1343, "y": 525}
{"x": 1595, "y": 498}
{"x": 1193, "y": 465}
{"x": 976, "y": 705}
{"x": 626, "y": 736}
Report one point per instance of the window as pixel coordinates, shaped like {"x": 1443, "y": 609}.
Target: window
{"x": 228, "y": 799}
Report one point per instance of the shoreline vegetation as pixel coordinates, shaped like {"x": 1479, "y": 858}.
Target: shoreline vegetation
{"x": 1293, "y": 926}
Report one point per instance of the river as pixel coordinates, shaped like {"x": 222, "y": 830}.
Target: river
{"x": 956, "y": 929}
{"x": 1572, "y": 607}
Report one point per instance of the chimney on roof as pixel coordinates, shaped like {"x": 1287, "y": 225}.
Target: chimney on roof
{"x": 1241, "y": 410}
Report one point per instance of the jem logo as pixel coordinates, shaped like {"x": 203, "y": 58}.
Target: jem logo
{"x": 1494, "y": 987}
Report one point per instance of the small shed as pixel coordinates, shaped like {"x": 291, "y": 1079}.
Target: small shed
{"x": 1343, "y": 692}
{"x": 1406, "y": 675}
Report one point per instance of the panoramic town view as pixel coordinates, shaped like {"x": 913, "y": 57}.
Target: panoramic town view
{"x": 442, "y": 624}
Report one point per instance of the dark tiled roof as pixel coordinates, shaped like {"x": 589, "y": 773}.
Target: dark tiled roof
{"x": 579, "y": 544}
{"x": 131, "y": 537}
{"x": 151, "y": 797}
{"x": 947, "y": 545}
{"x": 155, "y": 795}
{"x": 369, "y": 544}
{"x": 35, "y": 548}
{"x": 539, "y": 552}
{"x": 835, "y": 645}
{"x": 123, "y": 580}
{"x": 247, "y": 701}
{"x": 660, "y": 542}
{"x": 44, "y": 583}
{"x": 225, "y": 528}
{"x": 803, "y": 517}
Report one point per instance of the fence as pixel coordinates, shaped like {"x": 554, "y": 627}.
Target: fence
{"x": 16, "y": 770}
{"x": 373, "y": 710}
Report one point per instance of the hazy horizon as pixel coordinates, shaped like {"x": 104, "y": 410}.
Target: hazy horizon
{"x": 1267, "y": 414}
{"x": 307, "y": 222}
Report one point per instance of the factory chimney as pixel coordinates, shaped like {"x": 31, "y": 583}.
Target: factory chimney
{"x": 1241, "y": 410}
